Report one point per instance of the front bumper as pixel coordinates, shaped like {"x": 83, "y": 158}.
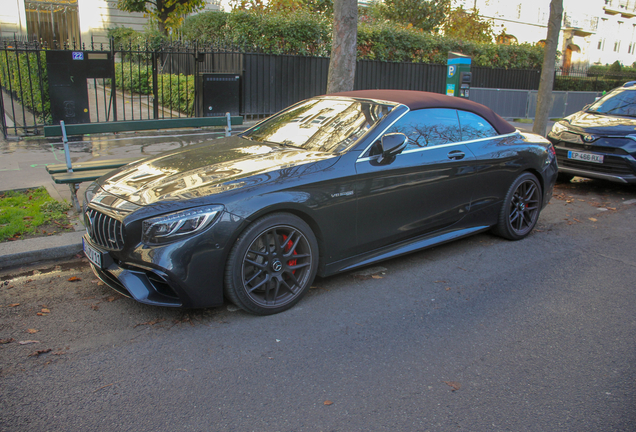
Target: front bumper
{"x": 618, "y": 165}
{"x": 188, "y": 273}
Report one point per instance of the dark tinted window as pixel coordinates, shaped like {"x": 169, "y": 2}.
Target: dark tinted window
{"x": 618, "y": 102}
{"x": 474, "y": 126}
{"x": 428, "y": 127}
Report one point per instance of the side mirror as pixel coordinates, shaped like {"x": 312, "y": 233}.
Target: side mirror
{"x": 392, "y": 144}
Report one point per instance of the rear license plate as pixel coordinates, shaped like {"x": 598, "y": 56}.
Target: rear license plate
{"x": 92, "y": 254}
{"x": 587, "y": 157}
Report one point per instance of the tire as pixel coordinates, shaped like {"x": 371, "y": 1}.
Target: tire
{"x": 272, "y": 264}
{"x": 520, "y": 210}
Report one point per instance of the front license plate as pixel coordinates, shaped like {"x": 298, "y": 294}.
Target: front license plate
{"x": 587, "y": 157}
{"x": 92, "y": 254}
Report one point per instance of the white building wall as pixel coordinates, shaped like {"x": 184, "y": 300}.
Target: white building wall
{"x": 12, "y": 18}
{"x": 95, "y": 18}
{"x": 600, "y": 31}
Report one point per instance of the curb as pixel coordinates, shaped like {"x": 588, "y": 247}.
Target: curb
{"x": 30, "y": 251}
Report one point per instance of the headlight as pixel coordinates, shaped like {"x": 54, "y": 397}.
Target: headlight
{"x": 175, "y": 226}
{"x": 558, "y": 128}
{"x": 89, "y": 194}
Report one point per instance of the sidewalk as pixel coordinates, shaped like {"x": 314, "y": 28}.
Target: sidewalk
{"x": 22, "y": 166}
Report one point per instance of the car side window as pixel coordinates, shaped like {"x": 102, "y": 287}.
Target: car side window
{"x": 428, "y": 127}
{"x": 474, "y": 126}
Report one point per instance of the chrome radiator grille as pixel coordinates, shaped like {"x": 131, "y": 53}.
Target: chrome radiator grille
{"x": 104, "y": 230}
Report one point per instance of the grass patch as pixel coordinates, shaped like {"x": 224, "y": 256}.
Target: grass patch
{"x": 522, "y": 120}
{"x": 31, "y": 213}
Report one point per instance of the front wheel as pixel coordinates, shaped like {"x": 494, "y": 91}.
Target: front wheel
{"x": 521, "y": 207}
{"x": 272, "y": 264}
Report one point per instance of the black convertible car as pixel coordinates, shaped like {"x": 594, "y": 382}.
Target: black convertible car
{"x": 328, "y": 185}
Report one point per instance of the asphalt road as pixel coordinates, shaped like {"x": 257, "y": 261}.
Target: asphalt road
{"x": 482, "y": 334}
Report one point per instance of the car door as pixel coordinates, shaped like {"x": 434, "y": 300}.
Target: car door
{"x": 499, "y": 163}
{"x": 423, "y": 189}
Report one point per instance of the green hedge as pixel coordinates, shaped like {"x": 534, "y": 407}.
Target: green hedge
{"x": 175, "y": 91}
{"x": 597, "y": 84}
{"x": 390, "y": 42}
{"x": 303, "y": 33}
{"x": 33, "y": 94}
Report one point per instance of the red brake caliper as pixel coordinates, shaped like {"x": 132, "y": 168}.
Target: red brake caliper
{"x": 288, "y": 247}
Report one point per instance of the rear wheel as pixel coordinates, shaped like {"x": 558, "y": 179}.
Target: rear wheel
{"x": 521, "y": 207}
{"x": 272, "y": 264}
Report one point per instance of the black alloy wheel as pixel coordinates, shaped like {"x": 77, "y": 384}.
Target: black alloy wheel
{"x": 520, "y": 211}
{"x": 272, "y": 264}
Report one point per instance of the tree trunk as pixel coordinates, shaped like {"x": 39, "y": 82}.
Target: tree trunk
{"x": 544, "y": 96}
{"x": 161, "y": 26}
{"x": 342, "y": 65}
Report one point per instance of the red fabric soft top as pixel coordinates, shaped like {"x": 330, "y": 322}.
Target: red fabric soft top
{"x": 418, "y": 100}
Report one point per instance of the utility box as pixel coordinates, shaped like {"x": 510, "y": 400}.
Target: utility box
{"x": 220, "y": 94}
{"x": 458, "y": 76}
{"x": 68, "y": 91}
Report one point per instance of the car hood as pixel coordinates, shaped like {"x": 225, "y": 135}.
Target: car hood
{"x": 602, "y": 125}
{"x": 205, "y": 169}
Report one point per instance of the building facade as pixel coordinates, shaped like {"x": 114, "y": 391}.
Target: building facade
{"x": 592, "y": 31}
{"x": 80, "y": 21}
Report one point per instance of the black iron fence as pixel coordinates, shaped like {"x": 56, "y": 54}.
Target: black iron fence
{"x": 115, "y": 83}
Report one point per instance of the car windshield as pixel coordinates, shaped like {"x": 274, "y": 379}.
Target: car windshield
{"x": 321, "y": 124}
{"x": 620, "y": 102}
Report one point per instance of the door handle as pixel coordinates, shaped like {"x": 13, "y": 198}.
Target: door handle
{"x": 456, "y": 155}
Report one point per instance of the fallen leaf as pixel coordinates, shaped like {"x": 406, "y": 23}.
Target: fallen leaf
{"x": 376, "y": 277}
{"x": 26, "y": 342}
{"x": 327, "y": 402}
{"x": 153, "y": 322}
{"x": 31, "y": 331}
{"x": 111, "y": 299}
{"x": 454, "y": 385}
{"x": 14, "y": 305}
{"x": 447, "y": 288}
{"x": 94, "y": 307}
{"x": 593, "y": 219}
{"x": 38, "y": 352}
{"x": 6, "y": 341}
{"x": 39, "y": 314}
{"x": 45, "y": 310}
{"x": 103, "y": 387}
{"x": 74, "y": 279}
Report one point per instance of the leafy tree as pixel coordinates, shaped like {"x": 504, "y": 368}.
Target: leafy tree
{"x": 167, "y": 13}
{"x": 468, "y": 26}
{"x": 426, "y": 15}
{"x": 315, "y": 6}
{"x": 504, "y": 38}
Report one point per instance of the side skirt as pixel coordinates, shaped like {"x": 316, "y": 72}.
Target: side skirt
{"x": 396, "y": 250}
